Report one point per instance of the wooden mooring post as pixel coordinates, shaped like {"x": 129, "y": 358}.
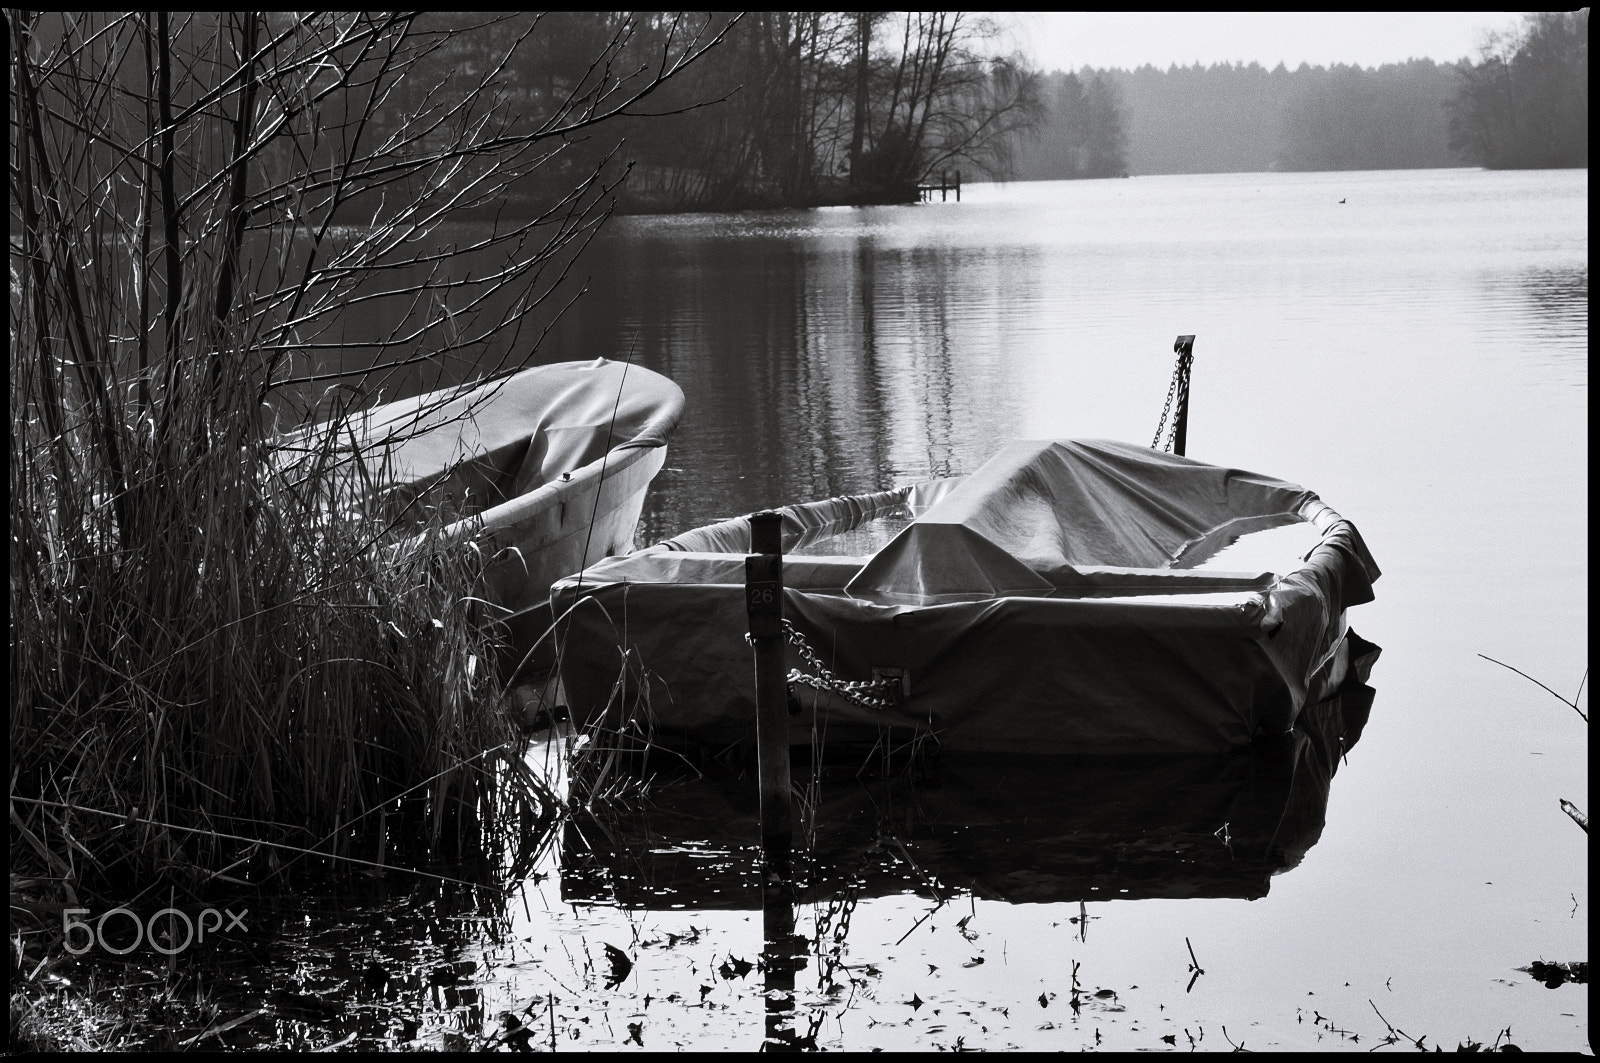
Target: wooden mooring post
{"x": 1180, "y": 429}
{"x": 763, "y": 582}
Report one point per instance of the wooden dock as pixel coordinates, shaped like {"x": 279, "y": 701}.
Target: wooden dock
{"x": 945, "y": 186}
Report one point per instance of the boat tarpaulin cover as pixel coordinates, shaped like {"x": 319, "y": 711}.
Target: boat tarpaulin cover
{"x": 551, "y": 463}
{"x": 1050, "y": 601}
{"x": 535, "y": 424}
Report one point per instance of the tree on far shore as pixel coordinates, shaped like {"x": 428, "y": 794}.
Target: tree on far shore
{"x": 1524, "y": 102}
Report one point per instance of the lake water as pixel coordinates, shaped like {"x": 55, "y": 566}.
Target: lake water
{"x": 1413, "y": 346}
{"x": 1417, "y": 354}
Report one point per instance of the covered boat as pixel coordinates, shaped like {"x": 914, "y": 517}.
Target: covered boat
{"x": 1071, "y": 596}
{"x": 554, "y": 461}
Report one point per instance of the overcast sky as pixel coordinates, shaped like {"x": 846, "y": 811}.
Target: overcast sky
{"x": 1069, "y": 40}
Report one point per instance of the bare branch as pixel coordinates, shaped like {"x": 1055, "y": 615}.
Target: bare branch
{"x": 1573, "y": 704}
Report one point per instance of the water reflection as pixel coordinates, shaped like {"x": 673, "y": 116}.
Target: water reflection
{"x": 1017, "y": 830}
{"x": 1558, "y": 301}
{"x": 1012, "y": 829}
{"x": 819, "y": 356}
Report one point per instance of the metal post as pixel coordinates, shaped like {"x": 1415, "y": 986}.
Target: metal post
{"x": 958, "y": 186}
{"x": 763, "y": 575}
{"x": 1180, "y": 430}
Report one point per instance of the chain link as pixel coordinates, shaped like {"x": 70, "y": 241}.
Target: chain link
{"x": 864, "y": 692}
{"x": 1166, "y": 407}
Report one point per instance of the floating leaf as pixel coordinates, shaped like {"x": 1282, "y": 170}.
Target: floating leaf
{"x": 915, "y": 1002}
{"x": 1554, "y": 975}
{"x": 620, "y": 966}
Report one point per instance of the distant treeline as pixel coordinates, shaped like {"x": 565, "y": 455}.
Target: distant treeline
{"x": 1522, "y": 102}
{"x": 803, "y": 108}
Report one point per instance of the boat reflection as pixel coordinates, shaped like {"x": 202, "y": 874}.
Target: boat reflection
{"x": 1009, "y": 828}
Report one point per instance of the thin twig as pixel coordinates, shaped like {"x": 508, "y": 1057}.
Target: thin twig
{"x": 919, "y": 922}
{"x": 257, "y": 841}
{"x": 1393, "y": 1029}
{"x": 1573, "y": 704}
{"x": 1194, "y": 965}
{"x": 225, "y": 1027}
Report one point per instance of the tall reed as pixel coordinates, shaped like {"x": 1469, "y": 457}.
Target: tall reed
{"x": 219, "y": 653}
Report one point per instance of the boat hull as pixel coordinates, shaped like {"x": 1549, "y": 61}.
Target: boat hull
{"x": 560, "y": 530}
{"x": 546, "y": 470}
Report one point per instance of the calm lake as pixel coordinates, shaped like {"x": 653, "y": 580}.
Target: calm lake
{"x": 1413, "y": 346}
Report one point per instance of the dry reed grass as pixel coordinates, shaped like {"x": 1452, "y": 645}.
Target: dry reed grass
{"x": 215, "y": 661}
{"x": 233, "y": 662}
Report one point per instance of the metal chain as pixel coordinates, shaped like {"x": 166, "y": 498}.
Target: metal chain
{"x": 834, "y": 920}
{"x": 862, "y": 692}
{"x": 1172, "y": 389}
